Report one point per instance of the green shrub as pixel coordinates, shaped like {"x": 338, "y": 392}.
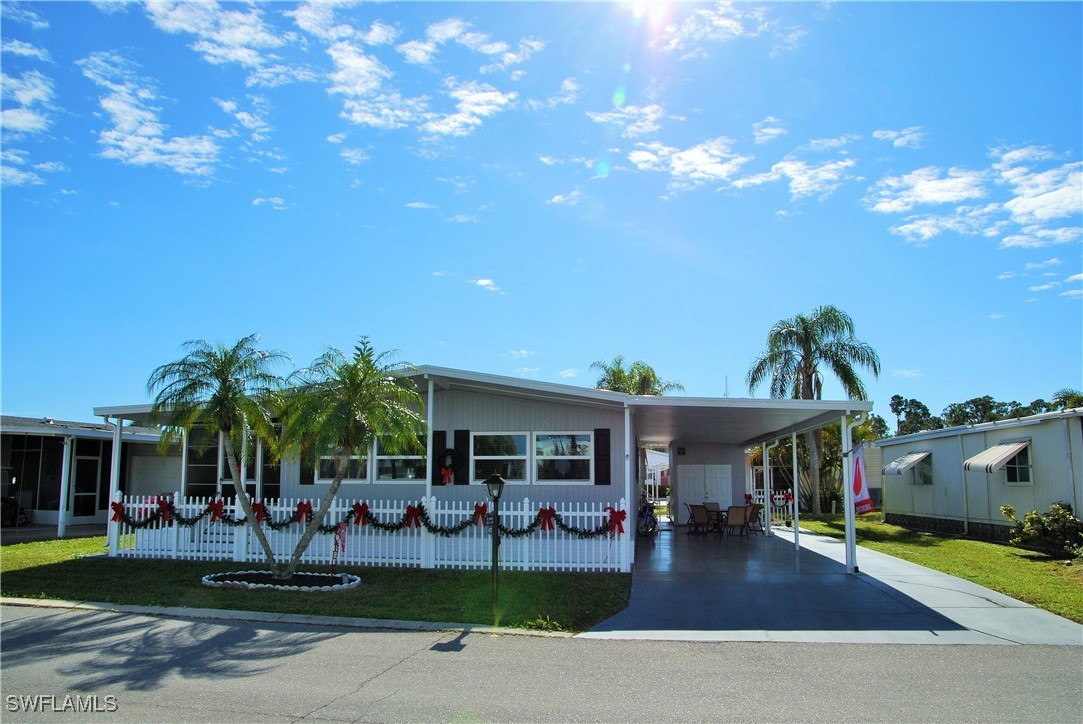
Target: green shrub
{"x": 1058, "y": 532}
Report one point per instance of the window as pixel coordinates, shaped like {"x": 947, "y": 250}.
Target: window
{"x": 563, "y": 457}
{"x": 504, "y": 454}
{"x": 408, "y": 468}
{"x": 202, "y": 473}
{"x": 357, "y": 470}
{"x": 1017, "y": 469}
{"x": 923, "y": 472}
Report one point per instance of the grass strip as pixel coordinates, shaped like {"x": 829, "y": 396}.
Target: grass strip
{"x": 1035, "y": 578}
{"x": 569, "y": 602}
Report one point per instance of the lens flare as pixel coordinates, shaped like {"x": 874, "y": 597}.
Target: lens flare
{"x": 601, "y": 167}
{"x": 620, "y": 95}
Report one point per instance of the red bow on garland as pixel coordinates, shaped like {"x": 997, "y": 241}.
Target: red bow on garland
{"x": 480, "y": 511}
{"x": 445, "y": 475}
{"x": 163, "y": 508}
{"x": 118, "y": 512}
{"x": 216, "y": 508}
{"x": 748, "y": 499}
{"x": 304, "y": 509}
{"x": 258, "y": 509}
{"x": 788, "y": 497}
{"x": 616, "y": 519}
{"x": 413, "y": 516}
{"x": 360, "y": 513}
{"x": 547, "y": 515}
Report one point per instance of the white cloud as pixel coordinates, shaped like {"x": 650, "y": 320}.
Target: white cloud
{"x": 318, "y": 19}
{"x": 721, "y": 23}
{"x": 488, "y": 285}
{"x": 570, "y": 199}
{"x": 353, "y": 156}
{"x": 805, "y": 179}
{"x": 360, "y": 77}
{"x": 907, "y": 374}
{"x": 520, "y": 353}
{"x": 1074, "y": 278}
{"x": 1034, "y": 266}
{"x": 33, "y": 91}
{"x": 996, "y": 315}
{"x": 911, "y": 137}
{"x": 897, "y": 194}
{"x": 13, "y": 176}
{"x": 548, "y": 160}
{"x": 275, "y": 202}
{"x": 463, "y": 219}
{"x": 50, "y": 167}
{"x": 831, "y": 144}
{"x": 337, "y": 137}
{"x": 1037, "y": 237}
{"x": 965, "y": 220}
{"x": 708, "y": 162}
{"x": 528, "y": 371}
{"x": 475, "y": 102}
{"x": 21, "y": 12}
{"x": 1006, "y": 275}
{"x": 419, "y": 205}
{"x": 768, "y": 129}
{"x": 1072, "y": 293}
{"x": 527, "y": 47}
{"x": 26, "y": 50}
{"x": 137, "y": 136}
{"x": 1043, "y": 287}
{"x": 634, "y": 120}
{"x": 1040, "y": 196}
{"x": 569, "y": 373}
{"x": 380, "y": 34}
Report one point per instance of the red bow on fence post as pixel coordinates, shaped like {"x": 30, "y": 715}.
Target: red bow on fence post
{"x": 304, "y": 509}
{"x": 546, "y": 515}
{"x": 445, "y": 475}
{"x": 480, "y": 511}
{"x": 163, "y": 508}
{"x": 616, "y": 519}
{"x": 259, "y": 509}
{"x": 360, "y": 513}
{"x": 748, "y": 498}
{"x": 118, "y": 512}
{"x": 413, "y": 516}
{"x": 216, "y": 508}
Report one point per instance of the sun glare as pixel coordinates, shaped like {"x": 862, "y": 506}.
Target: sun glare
{"x": 653, "y": 11}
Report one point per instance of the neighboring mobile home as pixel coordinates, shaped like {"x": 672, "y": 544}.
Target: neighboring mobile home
{"x": 955, "y": 480}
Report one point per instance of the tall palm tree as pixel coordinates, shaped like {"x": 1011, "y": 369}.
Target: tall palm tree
{"x": 222, "y": 389}
{"x": 796, "y": 349}
{"x": 339, "y": 405}
{"x": 639, "y": 379}
{"x": 1067, "y": 398}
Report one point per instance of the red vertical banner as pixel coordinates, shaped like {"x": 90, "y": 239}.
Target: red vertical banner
{"x": 862, "y": 501}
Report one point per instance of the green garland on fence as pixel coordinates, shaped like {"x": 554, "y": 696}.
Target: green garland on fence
{"x": 418, "y": 515}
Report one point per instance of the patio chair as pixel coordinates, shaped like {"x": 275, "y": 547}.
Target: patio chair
{"x": 737, "y": 519}
{"x": 755, "y": 519}
{"x": 701, "y": 522}
{"x": 717, "y": 515}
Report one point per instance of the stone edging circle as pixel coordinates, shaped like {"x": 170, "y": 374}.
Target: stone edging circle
{"x": 221, "y": 580}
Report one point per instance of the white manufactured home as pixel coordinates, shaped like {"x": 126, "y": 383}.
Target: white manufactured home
{"x": 572, "y": 449}
{"x": 955, "y": 480}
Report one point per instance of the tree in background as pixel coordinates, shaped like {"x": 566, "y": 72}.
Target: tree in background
{"x": 796, "y": 349}
{"x": 339, "y": 406}
{"x": 1067, "y": 398}
{"x": 639, "y": 379}
{"x": 913, "y": 416}
{"x": 220, "y": 389}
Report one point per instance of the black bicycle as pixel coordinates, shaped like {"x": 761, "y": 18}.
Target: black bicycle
{"x": 647, "y": 521}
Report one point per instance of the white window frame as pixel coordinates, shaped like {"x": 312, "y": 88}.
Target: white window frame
{"x": 589, "y": 435}
{"x": 394, "y": 481}
{"x": 1029, "y": 468}
{"x": 526, "y": 458}
{"x": 317, "y": 480}
{"x": 922, "y": 472}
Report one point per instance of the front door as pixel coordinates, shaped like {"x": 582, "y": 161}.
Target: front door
{"x": 86, "y": 476}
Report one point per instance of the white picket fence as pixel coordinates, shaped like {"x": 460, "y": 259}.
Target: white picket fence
{"x": 781, "y": 511}
{"x": 366, "y": 545}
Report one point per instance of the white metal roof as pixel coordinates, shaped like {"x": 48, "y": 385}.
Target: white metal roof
{"x": 981, "y": 427}
{"x": 898, "y": 466}
{"x": 992, "y": 459}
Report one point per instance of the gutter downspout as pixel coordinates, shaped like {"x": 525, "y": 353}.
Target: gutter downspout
{"x": 848, "y": 490}
{"x": 767, "y": 486}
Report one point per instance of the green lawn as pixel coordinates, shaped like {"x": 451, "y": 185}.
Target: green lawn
{"x": 1041, "y": 581}
{"x": 551, "y": 601}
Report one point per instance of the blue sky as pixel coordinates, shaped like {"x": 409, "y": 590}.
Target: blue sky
{"x": 523, "y": 189}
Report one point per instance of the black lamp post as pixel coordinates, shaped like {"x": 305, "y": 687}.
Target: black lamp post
{"x": 495, "y": 484}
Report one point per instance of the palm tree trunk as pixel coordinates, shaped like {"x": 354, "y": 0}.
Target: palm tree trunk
{"x": 341, "y": 462}
{"x": 814, "y": 443}
{"x": 246, "y": 504}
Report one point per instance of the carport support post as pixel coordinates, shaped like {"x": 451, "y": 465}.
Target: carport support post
{"x": 848, "y": 496}
{"x": 796, "y": 497}
{"x": 65, "y": 484}
{"x": 114, "y": 486}
{"x": 767, "y": 486}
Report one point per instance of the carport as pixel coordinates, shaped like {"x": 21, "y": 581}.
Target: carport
{"x": 707, "y": 439}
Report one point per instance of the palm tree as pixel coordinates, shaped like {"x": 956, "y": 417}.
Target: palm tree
{"x": 640, "y": 379}
{"x": 1067, "y": 398}
{"x": 339, "y": 405}
{"x": 796, "y": 349}
{"x": 223, "y": 389}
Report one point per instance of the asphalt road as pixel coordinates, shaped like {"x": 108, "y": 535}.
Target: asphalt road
{"x": 159, "y": 669}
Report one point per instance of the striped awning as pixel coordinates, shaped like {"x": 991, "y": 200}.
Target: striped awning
{"x": 899, "y": 466}
{"x": 994, "y": 458}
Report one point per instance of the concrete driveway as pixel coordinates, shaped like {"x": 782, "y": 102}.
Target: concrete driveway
{"x": 707, "y": 588}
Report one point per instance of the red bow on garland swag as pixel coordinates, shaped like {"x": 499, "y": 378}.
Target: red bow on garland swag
{"x": 163, "y": 508}
{"x": 616, "y": 519}
{"x": 445, "y": 475}
{"x": 360, "y": 513}
{"x": 480, "y": 511}
{"x": 118, "y": 512}
{"x": 546, "y": 515}
{"x": 217, "y": 509}
{"x": 413, "y": 516}
{"x": 258, "y": 509}
{"x": 304, "y": 509}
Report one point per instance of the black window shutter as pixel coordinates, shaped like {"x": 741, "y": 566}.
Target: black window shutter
{"x": 308, "y": 472}
{"x": 602, "y": 455}
{"x": 462, "y": 451}
{"x": 439, "y": 445}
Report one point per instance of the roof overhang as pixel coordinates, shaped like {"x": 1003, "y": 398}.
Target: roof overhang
{"x": 734, "y": 421}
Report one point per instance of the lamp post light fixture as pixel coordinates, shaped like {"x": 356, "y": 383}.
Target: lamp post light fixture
{"x": 495, "y": 485}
